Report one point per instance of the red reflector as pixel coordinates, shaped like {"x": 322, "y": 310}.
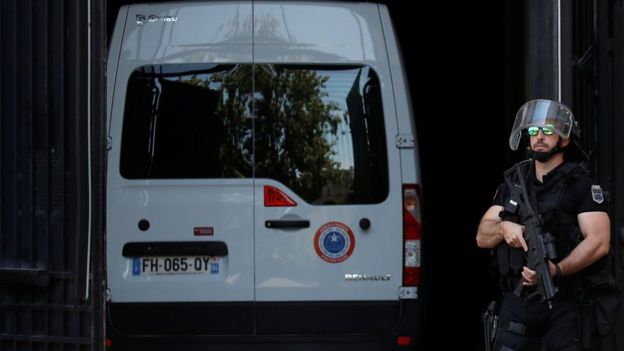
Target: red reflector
{"x": 404, "y": 340}
{"x": 274, "y": 197}
{"x": 411, "y": 276}
{"x": 411, "y": 227}
{"x": 203, "y": 231}
{"x": 108, "y": 342}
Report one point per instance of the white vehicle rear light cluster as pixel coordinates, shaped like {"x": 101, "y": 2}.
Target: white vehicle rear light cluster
{"x": 411, "y": 235}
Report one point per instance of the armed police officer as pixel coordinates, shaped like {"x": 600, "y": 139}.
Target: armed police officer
{"x": 566, "y": 212}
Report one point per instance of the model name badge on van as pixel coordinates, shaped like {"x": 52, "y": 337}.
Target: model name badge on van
{"x": 371, "y": 277}
{"x": 141, "y": 19}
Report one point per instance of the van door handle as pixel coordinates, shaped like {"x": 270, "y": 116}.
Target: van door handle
{"x": 277, "y": 224}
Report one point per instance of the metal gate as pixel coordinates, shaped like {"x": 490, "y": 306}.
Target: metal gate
{"x": 50, "y": 182}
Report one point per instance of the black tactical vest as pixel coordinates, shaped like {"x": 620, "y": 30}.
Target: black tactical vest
{"x": 546, "y": 200}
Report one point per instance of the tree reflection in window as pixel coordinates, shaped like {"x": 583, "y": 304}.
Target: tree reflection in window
{"x": 317, "y": 129}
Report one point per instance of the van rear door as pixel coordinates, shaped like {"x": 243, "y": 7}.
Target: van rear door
{"x": 328, "y": 223}
{"x": 328, "y": 185}
{"x": 180, "y": 176}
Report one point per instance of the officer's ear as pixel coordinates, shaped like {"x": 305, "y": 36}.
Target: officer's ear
{"x": 565, "y": 142}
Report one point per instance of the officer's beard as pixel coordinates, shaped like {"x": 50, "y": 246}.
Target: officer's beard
{"x": 544, "y": 156}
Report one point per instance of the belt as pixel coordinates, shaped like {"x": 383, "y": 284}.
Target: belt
{"x": 509, "y": 284}
{"x": 514, "y": 327}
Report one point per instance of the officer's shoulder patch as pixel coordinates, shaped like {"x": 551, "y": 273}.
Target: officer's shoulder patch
{"x": 596, "y": 192}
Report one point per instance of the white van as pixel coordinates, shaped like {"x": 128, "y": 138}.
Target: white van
{"x": 263, "y": 181}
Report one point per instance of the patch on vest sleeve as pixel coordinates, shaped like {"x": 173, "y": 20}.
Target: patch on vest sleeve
{"x": 597, "y": 195}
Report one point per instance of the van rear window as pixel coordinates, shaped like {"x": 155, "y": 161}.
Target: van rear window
{"x": 317, "y": 129}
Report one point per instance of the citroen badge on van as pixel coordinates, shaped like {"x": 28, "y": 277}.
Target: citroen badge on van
{"x": 141, "y": 19}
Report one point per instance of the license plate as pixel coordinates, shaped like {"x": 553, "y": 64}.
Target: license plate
{"x": 175, "y": 265}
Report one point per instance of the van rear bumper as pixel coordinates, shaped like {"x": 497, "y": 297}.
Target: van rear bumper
{"x": 259, "y": 343}
{"x": 365, "y": 325}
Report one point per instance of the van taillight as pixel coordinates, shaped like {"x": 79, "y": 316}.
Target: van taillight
{"x": 411, "y": 235}
{"x": 274, "y": 197}
{"x": 404, "y": 340}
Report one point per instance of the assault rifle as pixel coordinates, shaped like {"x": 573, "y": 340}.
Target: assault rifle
{"x": 541, "y": 246}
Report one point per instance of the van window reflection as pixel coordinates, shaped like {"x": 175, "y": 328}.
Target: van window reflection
{"x": 317, "y": 129}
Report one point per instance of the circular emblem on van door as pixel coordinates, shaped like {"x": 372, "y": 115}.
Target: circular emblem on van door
{"x": 334, "y": 242}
